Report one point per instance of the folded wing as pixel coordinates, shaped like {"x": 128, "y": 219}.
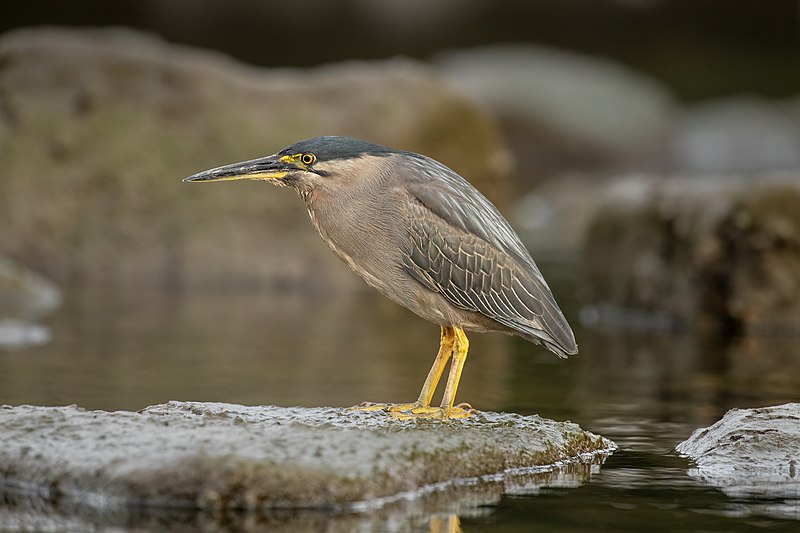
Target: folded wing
{"x": 462, "y": 247}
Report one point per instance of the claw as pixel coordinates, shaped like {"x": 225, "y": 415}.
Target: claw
{"x": 462, "y": 410}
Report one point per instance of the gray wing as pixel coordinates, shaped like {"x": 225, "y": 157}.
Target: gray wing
{"x": 463, "y": 248}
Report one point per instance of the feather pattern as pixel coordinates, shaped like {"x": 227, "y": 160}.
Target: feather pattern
{"x": 462, "y": 247}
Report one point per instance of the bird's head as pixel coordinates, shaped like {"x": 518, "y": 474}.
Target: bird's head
{"x": 306, "y": 165}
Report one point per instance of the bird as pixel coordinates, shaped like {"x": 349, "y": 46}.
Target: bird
{"x": 425, "y": 238}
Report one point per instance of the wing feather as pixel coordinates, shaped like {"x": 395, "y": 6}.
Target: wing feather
{"x": 461, "y": 247}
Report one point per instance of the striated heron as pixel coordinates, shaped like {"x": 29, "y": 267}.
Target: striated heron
{"x": 425, "y": 238}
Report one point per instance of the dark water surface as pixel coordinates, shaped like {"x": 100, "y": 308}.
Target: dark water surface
{"x": 646, "y": 391}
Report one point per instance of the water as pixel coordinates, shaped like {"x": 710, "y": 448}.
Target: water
{"x": 647, "y": 391}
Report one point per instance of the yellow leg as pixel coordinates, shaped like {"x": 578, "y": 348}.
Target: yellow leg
{"x": 423, "y": 403}
{"x": 446, "y": 343}
{"x": 445, "y": 524}
{"x": 456, "y": 367}
{"x": 453, "y": 345}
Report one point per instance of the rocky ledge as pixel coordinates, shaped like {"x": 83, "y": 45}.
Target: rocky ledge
{"x": 220, "y": 456}
{"x": 701, "y": 253}
{"x": 752, "y": 453}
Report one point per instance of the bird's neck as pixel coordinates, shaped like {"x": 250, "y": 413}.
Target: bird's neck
{"x": 327, "y": 213}
{"x": 344, "y": 219}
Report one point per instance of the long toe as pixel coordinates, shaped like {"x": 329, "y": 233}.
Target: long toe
{"x": 429, "y": 411}
{"x": 390, "y": 407}
{"x": 403, "y": 407}
{"x": 370, "y": 406}
{"x": 436, "y": 413}
{"x": 462, "y": 410}
{"x": 409, "y": 411}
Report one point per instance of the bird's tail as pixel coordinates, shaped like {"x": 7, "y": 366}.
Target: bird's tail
{"x": 563, "y": 347}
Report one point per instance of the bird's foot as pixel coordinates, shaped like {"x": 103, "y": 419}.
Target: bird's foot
{"x": 462, "y": 410}
{"x": 388, "y": 407}
{"x": 372, "y": 406}
{"x": 408, "y": 411}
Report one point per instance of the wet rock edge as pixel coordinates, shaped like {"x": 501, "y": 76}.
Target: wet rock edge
{"x": 358, "y": 493}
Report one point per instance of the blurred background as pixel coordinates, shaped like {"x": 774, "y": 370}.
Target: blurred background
{"x": 647, "y": 151}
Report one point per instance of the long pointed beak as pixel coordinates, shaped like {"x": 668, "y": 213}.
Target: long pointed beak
{"x": 266, "y": 168}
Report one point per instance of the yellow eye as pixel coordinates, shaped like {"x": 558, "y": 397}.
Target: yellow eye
{"x": 307, "y": 159}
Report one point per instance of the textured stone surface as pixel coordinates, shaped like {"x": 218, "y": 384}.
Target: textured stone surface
{"x": 98, "y": 127}
{"x": 752, "y": 452}
{"x": 217, "y": 456}
{"x": 701, "y": 251}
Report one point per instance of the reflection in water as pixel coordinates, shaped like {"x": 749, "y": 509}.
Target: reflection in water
{"x": 445, "y": 524}
{"x": 646, "y": 391}
{"x": 435, "y": 511}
